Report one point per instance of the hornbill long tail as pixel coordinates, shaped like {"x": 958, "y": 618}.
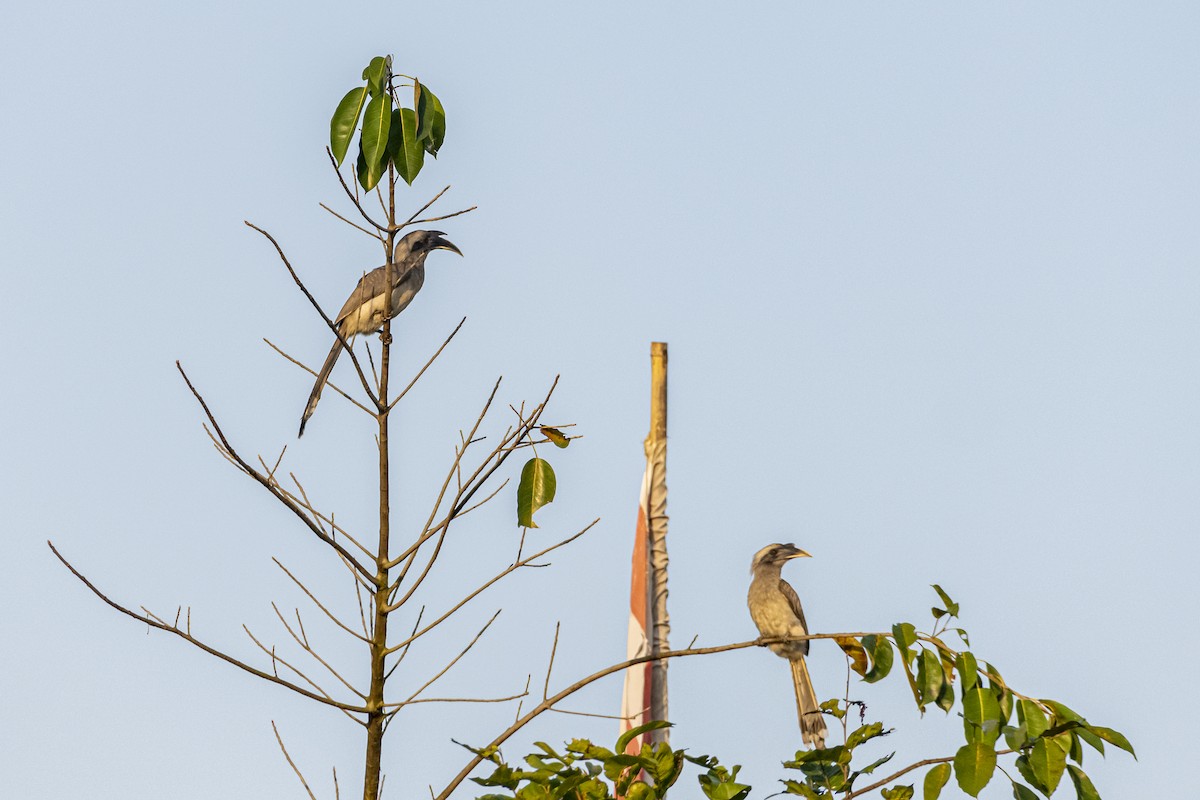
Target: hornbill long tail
{"x": 366, "y": 309}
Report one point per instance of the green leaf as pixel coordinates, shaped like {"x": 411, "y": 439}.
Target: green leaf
{"x": 874, "y": 765}
{"x": 376, "y": 75}
{"x": 1032, "y": 719}
{"x": 403, "y": 148}
{"x": 798, "y": 788}
{"x": 1023, "y": 792}
{"x": 864, "y": 733}
{"x": 1084, "y": 789}
{"x": 981, "y": 715}
{"x": 1062, "y": 713}
{"x": 536, "y": 490}
{"x": 1095, "y": 741}
{"x": 1047, "y": 760}
{"x": 973, "y": 767}
{"x": 906, "y": 635}
{"x": 951, "y": 606}
{"x": 1113, "y": 738}
{"x": 968, "y": 669}
{"x": 555, "y": 435}
{"x": 912, "y": 681}
{"x": 344, "y": 121}
{"x": 945, "y": 698}
{"x": 854, "y": 651}
{"x": 1076, "y": 751}
{"x": 929, "y": 676}
{"x": 880, "y": 650}
{"x": 935, "y": 779}
{"x": 639, "y": 791}
{"x": 431, "y": 121}
{"x": 833, "y": 707}
{"x": 727, "y": 789}
{"x": 1003, "y": 695}
{"x": 898, "y": 793}
{"x": 367, "y": 177}
{"x": 1023, "y": 767}
{"x": 631, "y": 734}
{"x": 377, "y": 120}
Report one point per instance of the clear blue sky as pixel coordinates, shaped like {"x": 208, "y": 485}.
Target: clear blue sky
{"x": 929, "y": 277}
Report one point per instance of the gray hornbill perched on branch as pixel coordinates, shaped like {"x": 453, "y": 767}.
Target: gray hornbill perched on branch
{"x": 364, "y": 310}
{"x": 776, "y": 611}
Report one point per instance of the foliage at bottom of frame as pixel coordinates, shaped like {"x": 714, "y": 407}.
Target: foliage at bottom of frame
{"x": 586, "y": 771}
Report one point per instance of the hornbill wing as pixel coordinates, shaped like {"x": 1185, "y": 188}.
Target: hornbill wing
{"x": 371, "y": 287}
{"x": 793, "y": 599}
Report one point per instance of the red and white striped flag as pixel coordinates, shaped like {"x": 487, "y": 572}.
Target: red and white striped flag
{"x": 637, "y": 698}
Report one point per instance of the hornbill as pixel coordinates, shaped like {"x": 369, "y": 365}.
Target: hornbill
{"x": 776, "y": 611}
{"x": 364, "y": 310}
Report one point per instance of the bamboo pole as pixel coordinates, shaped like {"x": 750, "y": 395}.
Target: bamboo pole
{"x": 656, "y": 452}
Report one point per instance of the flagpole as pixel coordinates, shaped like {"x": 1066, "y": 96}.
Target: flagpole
{"x": 656, "y": 453}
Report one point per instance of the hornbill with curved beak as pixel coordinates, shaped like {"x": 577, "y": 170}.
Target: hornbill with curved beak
{"x": 365, "y": 310}
{"x": 776, "y": 611}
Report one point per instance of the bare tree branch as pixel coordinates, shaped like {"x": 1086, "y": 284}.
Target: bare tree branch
{"x": 268, "y": 485}
{"x": 277, "y": 659}
{"x": 155, "y": 622}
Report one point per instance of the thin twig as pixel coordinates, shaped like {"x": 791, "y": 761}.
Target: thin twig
{"x": 416, "y": 624}
{"x": 421, "y": 210}
{"x": 432, "y": 358}
{"x": 276, "y": 659}
{"x": 302, "y": 641}
{"x": 372, "y": 234}
{"x": 313, "y": 372}
{"x": 550, "y": 666}
{"x": 590, "y": 714}
{"x": 507, "y": 571}
{"x": 303, "y": 501}
{"x": 291, "y": 763}
{"x": 318, "y": 604}
{"x": 412, "y": 698}
{"x": 444, "y": 216}
{"x": 353, "y": 195}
